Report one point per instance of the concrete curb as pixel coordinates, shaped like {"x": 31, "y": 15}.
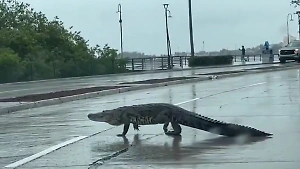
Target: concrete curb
{"x": 135, "y": 73}
{"x": 248, "y": 72}
{"x": 55, "y": 101}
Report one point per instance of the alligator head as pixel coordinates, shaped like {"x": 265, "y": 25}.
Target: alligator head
{"x": 107, "y": 116}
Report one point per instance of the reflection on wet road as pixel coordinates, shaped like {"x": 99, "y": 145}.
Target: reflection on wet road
{"x": 269, "y": 102}
{"x": 179, "y": 150}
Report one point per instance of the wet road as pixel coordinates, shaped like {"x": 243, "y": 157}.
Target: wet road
{"x": 269, "y": 102}
{"x": 20, "y": 89}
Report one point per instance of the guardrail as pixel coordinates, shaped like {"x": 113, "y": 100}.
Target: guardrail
{"x": 161, "y": 62}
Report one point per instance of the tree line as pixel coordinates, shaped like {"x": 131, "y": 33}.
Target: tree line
{"x": 32, "y": 47}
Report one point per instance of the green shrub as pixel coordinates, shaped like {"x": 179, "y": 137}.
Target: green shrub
{"x": 33, "y": 47}
{"x": 10, "y": 66}
{"x": 210, "y": 60}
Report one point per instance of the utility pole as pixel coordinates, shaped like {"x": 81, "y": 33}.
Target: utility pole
{"x": 170, "y": 66}
{"x": 191, "y": 29}
{"x": 287, "y": 27}
{"x": 121, "y": 28}
{"x": 298, "y": 13}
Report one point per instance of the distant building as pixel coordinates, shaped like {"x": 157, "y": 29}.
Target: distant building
{"x": 285, "y": 39}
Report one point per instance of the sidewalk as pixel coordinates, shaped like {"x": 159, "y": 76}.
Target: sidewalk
{"x": 20, "y": 89}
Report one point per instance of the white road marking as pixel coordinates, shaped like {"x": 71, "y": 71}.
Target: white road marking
{"x": 42, "y": 153}
{"x": 177, "y": 104}
{"x": 58, "y": 146}
{"x": 256, "y": 84}
{"x": 51, "y": 149}
{"x": 17, "y": 90}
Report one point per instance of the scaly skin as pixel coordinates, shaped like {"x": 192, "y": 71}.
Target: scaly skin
{"x": 163, "y": 113}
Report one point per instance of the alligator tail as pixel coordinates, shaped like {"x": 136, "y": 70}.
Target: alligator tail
{"x": 217, "y": 127}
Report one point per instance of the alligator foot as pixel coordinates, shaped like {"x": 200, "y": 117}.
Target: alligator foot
{"x": 121, "y": 135}
{"x": 177, "y": 129}
{"x": 125, "y": 130}
{"x": 173, "y": 133}
{"x": 136, "y": 127}
{"x": 165, "y": 127}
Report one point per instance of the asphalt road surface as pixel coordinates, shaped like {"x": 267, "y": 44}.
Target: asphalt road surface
{"x": 20, "y": 89}
{"x": 268, "y": 102}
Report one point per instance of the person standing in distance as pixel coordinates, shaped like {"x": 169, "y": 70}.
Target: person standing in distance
{"x": 243, "y": 53}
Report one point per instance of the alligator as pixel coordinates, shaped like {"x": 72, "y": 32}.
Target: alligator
{"x": 164, "y": 113}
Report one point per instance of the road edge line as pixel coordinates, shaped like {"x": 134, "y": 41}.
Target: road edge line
{"x": 44, "y": 152}
{"x": 52, "y": 149}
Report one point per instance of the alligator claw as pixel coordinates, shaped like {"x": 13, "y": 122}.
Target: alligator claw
{"x": 120, "y": 135}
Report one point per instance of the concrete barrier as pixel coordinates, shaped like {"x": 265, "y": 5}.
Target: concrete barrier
{"x": 55, "y": 101}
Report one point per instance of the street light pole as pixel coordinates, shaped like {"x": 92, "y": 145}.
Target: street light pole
{"x": 121, "y": 28}
{"x": 168, "y": 37}
{"x": 298, "y": 13}
{"x": 287, "y": 26}
{"x": 191, "y": 29}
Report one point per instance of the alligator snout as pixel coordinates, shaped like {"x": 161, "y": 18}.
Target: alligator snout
{"x": 99, "y": 117}
{"x": 91, "y": 116}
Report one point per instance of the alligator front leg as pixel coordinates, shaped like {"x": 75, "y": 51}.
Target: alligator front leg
{"x": 165, "y": 127}
{"x": 125, "y": 130}
{"x": 126, "y": 122}
{"x": 176, "y": 129}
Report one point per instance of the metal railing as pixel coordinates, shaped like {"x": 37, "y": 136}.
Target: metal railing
{"x": 161, "y": 62}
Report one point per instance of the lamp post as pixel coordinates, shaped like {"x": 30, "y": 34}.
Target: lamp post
{"x": 121, "y": 28}
{"x": 298, "y": 13}
{"x": 287, "y": 26}
{"x": 191, "y": 29}
{"x": 168, "y": 14}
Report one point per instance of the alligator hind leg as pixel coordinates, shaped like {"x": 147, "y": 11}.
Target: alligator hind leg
{"x": 136, "y": 126}
{"x": 176, "y": 129}
{"x": 125, "y": 130}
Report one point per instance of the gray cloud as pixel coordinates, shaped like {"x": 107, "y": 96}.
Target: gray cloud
{"x": 221, "y": 24}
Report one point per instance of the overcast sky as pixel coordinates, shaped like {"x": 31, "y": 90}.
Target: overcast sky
{"x": 219, "y": 23}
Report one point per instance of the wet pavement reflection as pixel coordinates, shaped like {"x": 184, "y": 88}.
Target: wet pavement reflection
{"x": 180, "y": 150}
{"x": 268, "y": 102}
